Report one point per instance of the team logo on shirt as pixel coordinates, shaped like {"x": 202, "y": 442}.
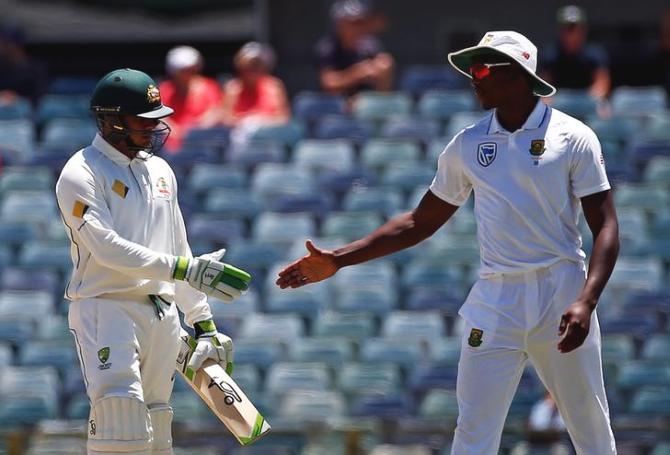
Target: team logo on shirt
{"x": 162, "y": 188}
{"x": 486, "y": 153}
{"x": 475, "y": 339}
{"x": 536, "y": 150}
{"x": 103, "y": 356}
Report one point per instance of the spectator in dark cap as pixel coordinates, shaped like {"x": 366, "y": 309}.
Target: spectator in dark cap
{"x": 572, "y": 62}
{"x": 352, "y": 59}
{"x": 20, "y": 75}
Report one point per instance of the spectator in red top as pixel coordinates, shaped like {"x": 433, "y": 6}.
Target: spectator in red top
{"x": 254, "y": 98}
{"x": 193, "y": 97}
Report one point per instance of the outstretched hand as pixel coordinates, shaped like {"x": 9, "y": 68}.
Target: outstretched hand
{"x": 316, "y": 266}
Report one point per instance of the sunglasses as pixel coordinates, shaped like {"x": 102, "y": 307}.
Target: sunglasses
{"x": 482, "y": 70}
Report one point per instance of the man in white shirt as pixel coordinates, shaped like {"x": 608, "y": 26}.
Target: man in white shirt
{"x": 132, "y": 264}
{"x": 531, "y": 168}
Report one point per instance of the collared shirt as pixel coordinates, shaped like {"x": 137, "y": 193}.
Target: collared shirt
{"x": 125, "y": 227}
{"x": 527, "y": 187}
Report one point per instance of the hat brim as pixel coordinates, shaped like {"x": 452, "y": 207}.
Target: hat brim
{"x": 463, "y": 59}
{"x": 161, "y": 112}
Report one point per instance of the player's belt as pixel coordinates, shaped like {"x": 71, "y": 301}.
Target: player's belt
{"x": 158, "y": 302}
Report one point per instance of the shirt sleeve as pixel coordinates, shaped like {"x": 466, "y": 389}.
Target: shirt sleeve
{"x": 84, "y": 209}
{"x": 450, "y": 183}
{"x": 587, "y": 170}
{"x": 190, "y": 301}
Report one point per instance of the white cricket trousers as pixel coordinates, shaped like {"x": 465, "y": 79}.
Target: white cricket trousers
{"x": 124, "y": 349}
{"x": 509, "y": 319}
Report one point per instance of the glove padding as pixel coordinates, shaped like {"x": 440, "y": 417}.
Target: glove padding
{"x": 210, "y": 344}
{"x": 217, "y": 279}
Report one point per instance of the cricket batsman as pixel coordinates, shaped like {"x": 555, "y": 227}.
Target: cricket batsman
{"x": 132, "y": 268}
{"x": 532, "y": 169}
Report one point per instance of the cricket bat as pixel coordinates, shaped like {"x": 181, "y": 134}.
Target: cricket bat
{"x": 223, "y": 396}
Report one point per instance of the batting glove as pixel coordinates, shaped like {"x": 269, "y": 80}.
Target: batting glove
{"x": 205, "y": 273}
{"x": 209, "y": 344}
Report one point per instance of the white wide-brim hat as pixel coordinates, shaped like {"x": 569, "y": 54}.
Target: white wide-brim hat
{"x": 507, "y": 43}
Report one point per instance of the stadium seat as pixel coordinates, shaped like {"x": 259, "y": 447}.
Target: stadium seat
{"x": 311, "y": 106}
{"x": 439, "y": 404}
{"x": 63, "y": 106}
{"x": 70, "y": 133}
{"x": 332, "y": 351}
{"x": 231, "y": 202}
{"x": 445, "y": 351}
{"x": 78, "y": 407}
{"x": 411, "y": 128}
{"x": 302, "y": 301}
{"x": 379, "y": 153}
{"x": 657, "y": 347}
{"x": 378, "y": 106}
{"x": 277, "y": 327}
{"x": 356, "y": 377}
{"x": 30, "y": 206}
{"x": 26, "y": 410}
{"x": 639, "y": 373}
{"x": 447, "y": 301}
{"x": 657, "y": 171}
{"x": 356, "y": 326}
{"x": 17, "y": 139}
{"x": 31, "y": 178}
{"x": 662, "y": 448}
{"x": 644, "y": 197}
{"x": 420, "y": 78}
{"x": 389, "y": 405}
{"x": 253, "y": 255}
{"x": 577, "y": 103}
{"x": 324, "y": 154}
{"x": 638, "y": 100}
{"x": 32, "y": 305}
{"x": 639, "y": 325}
{"x": 406, "y": 353}
{"x": 16, "y": 330}
{"x": 442, "y": 104}
{"x": 652, "y": 401}
{"x": 72, "y": 86}
{"x": 376, "y": 273}
{"x": 17, "y": 232}
{"x": 248, "y": 378}
{"x": 288, "y": 134}
{"x": 461, "y": 120}
{"x": 203, "y": 227}
{"x": 54, "y": 329}
{"x": 216, "y": 137}
{"x": 615, "y": 128}
{"x": 73, "y": 382}
{"x": 205, "y": 177}
{"x": 257, "y": 352}
{"x": 637, "y": 274}
{"x": 344, "y": 127}
{"x": 60, "y": 355}
{"x": 318, "y": 204}
{"x": 406, "y": 177}
{"x": 6, "y": 354}
{"x": 16, "y": 109}
{"x": 370, "y": 299}
{"x": 386, "y": 202}
{"x": 421, "y": 274}
{"x": 341, "y": 181}
{"x": 272, "y": 181}
{"x": 317, "y": 406}
{"x": 417, "y": 325}
{"x": 350, "y": 225}
{"x": 188, "y": 155}
{"x": 38, "y": 254}
{"x": 432, "y": 376}
{"x": 282, "y": 228}
{"x": 284, "y": 377}
{"x": 617, "y": 348}
{"x": 255, "y": 152}
{"x": 435, "y": 149}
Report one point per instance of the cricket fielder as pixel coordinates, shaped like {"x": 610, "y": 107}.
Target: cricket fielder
{"x": 132, "y": 268}
{"x": 531, "y": 168}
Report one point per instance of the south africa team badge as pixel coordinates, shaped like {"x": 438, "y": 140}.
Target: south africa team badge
{"x": 536, "y": 150}
{"x": 486, "y": 153}
{"x": 475, "y": 339}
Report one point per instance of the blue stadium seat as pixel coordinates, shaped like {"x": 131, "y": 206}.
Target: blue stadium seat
{"x": 17, "y": 232}
{"x": 445, "y": 351}
{"x": 272, "y": 181}
{"x": 205, "y": 177}
{"x": 341, "y": 181}
{"x": 657, "y": 171}
{"x": 282, "y": 228}
{"x": 637, "y": 274}
{"x": 16, "y": 330}
{"x": 376, "y": 273}
{"x": 257, "y": 352}
{"x": 216, "y": 230}
{"x": 662, "y": 448}
{"x": 351, "y": 325}
{"x": 615, "y": 128}
{"x": 284, "y": 377}
{"x": 639, "y": 373}
{"x": 434, "y": 149}
{"x": 350, "y": 225}
{"x": 233, "y": 203}
{"x": 420, "y": 274}
{"x": 638, "y": 100}
{"x": 17, "y": 109}
{"x": 324, "y": 154}
{"x": 52, "y": 157}
{"x": 447, "y": 301}
{"x": 317, "y": 406}
{"x": 54, "y": 329}
{"x": 406, "y": 177}
{"x": 652, "y": 401}
{"x": 288, "y": 134}
{"x": 32, "y": 305}
{"x": 26, "y": 410}
{"x": 255, "y": 152}
{"x": 419, "y": 78}
{"x": 29, "y": 206}
{"x": 384, "y": 201}
{"x": 332, "y": 351}
{"x": 6, "y": 255}
{"x": 248, "y": 378}
{"x": 657, "y": 347}
{"x": 417, "y": 325}
{"x": 390, "y": 405}
{"x": 216, "y": 137}
{"x": 20, "y": 279}
{"x": 31, "y": 178}
{"x": 442, "y": 104}
{"x": 6, "y": 354}
{"x": 644, "y": 197}
{"x": 78, "y": 407}
{"x": 312, "y": 106}
{"x": 252, "y": 254}
{"x": 432, "y": 376}
{"x": 439, "y": 404}
{"x": 577, "y": 103}
{"x": 60, "y": 355}
{"x": 17, "y": 139}
{"x": 63, "y": 106}
{"x": 406, "y": 353}
{"x": 69, "y": 133}
{"x": 461, "y": 120}
{"x": 318, "y": 204}
{"x": 189, "y": 155}
{"x": 299, "y": 301}
{"x": 660, "y": 226}
{"x": 381, "y": 105}
{"x": 379, "y": 153}
{"x": 356, "y": 377}
{"x": 38, "y": 254}
{"x": 344, "y": 127}
{"x": 72, "y": 85}
{"x": 281, "y": 327}
{"x": 617, "y": 348}
{"x": 412, "y": 128}
{"x": 640, "y": 325}
{"x": 371, "y": 299}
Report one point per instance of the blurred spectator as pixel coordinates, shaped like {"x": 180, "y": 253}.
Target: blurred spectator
{"x": 254, "y": 98}
{"x": 20, "y": 75}
{"x": 352, "y": 58}
{"x": 545, "y": 416}
{"x": 572, "y": 62}
{"x": 193, "y": 97}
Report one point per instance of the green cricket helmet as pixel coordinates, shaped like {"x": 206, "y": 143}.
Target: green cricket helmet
{"x": 129, "y": 92}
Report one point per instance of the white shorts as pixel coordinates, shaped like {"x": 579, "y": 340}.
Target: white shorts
{"x": 125, "y": 349}
{"x": 512, "y": 318}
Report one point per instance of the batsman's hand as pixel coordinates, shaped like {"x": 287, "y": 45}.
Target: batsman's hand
{"x": 207, "y": 274}
{"x": 210, "y": 344}
{"x": 316, "y": 266}
{"x": 575, "y": 325}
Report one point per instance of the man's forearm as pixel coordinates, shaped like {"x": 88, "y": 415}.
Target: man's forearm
{"x": 397, "y": 234}
{"x": 601, "y": 264}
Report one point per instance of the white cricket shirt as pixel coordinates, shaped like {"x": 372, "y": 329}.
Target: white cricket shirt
{"x": 126, "y": 228}
{"x": 527, "y": 187}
